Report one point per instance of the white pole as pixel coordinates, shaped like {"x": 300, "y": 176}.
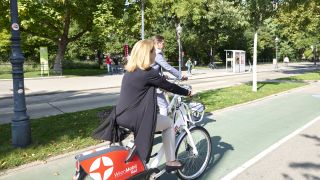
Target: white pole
{"x": 180, "y": 56}
{"x": 254, "y": 69}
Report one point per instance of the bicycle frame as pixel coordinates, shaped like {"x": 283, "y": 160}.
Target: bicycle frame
{"x": 180, "y": 111}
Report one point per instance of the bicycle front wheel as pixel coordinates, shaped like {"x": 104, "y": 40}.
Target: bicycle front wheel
{"x": 194, "y": 165}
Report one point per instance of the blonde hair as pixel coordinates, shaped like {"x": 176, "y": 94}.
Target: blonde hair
{"x": 141, "y": 56}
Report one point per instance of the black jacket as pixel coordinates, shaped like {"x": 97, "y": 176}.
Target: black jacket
{"x": 138, "y": 99}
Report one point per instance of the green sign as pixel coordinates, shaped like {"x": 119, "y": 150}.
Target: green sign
{"x": 44, "y": 60}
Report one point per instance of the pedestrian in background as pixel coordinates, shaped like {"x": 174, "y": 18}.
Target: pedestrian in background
{"x": 116, "y": 64}
{"x": 189, "y": 65}
{"x": 109, "y": 63}
{"x": 286, "y": 60}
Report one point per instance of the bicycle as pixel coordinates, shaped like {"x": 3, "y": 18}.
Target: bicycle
{"x": 193, "y": 149}
{"x": 212, "y": 65}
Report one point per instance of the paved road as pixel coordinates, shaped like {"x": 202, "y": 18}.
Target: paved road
{"x": 240, "y": 134}
{"x": 54, "y": 96}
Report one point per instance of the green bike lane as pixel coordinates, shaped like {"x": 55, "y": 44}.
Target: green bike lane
{"x": 238, "y": 134}
{"x": 241, "y": 133}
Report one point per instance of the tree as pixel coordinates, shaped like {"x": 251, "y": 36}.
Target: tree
{"x": 107, "y": 23}
{"x": 299, "y": 23}
{"x": 4, "y": 30}
{"x": 206, "y": 24}
{"x": 53, "y": 19}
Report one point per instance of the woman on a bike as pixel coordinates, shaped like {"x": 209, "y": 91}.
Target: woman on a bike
{"x": 138, "y": 93}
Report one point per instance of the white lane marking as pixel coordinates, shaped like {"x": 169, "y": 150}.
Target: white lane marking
{"x": 316, "y": 95}
{"x": 252, "y": 161}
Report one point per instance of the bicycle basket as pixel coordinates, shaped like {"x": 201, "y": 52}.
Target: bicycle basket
{"x": 196, "y": 111}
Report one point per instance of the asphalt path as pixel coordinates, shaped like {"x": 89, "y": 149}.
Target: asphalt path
{"x": 50, "y": 103}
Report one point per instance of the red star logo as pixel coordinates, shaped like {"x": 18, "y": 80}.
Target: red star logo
{"x": 102, "y": 169}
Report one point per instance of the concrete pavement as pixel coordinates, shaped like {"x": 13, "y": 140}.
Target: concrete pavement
{"x": 52, "y": 85}
{"x": 240, "y": 134}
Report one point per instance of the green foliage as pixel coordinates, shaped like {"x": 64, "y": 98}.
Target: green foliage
{"x": 80, "y": 65}
{"x": 4, "y": 45}
{"x": 91, "y": 28}
{"x": 302, "y": 31}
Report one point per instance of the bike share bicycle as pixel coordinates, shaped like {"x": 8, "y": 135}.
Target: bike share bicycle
{"x": 193, "y": 149}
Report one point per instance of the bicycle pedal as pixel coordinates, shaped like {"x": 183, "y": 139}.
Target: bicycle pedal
{"x": 172, "y": 169}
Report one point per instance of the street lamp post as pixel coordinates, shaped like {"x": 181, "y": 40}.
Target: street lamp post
{"x": 127, "y": 3}
{"x": 20, "y": 126}
{"x": 179, "y": 31}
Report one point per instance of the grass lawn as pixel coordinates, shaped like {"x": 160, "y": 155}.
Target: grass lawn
{"x": 225, "y": 97}
{"x": 72, "y": 131}
{"x": 66, "y": 72}
{"x": 307, "y": 76}
{"x": 50, "y": 136}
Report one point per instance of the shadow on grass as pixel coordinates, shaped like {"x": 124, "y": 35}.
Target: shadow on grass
{"x": 51, "y": 136}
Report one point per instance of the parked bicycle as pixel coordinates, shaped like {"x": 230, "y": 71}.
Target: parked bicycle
{"x": 193, "y": 149}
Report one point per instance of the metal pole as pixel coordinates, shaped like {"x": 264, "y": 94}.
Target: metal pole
{"x": 314, "y": 54}
{"x": 276, "y": 50}
{"x": 142, "y": 19}
{"x": 179, "y": 43}
{"x": 20, "y": 126}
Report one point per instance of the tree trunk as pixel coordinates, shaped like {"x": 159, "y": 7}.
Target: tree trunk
{"x": 212, "y": 54}
{"x": 62, "y": 45}
{"x": 100, "y": 57}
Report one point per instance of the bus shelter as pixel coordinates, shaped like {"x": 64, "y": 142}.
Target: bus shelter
{"x": 237, "y": 60}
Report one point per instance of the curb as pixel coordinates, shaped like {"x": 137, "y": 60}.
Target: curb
{"x": 39, "y": 78}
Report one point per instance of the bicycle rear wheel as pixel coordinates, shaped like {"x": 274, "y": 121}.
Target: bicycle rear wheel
{"x": 194, "y": 165}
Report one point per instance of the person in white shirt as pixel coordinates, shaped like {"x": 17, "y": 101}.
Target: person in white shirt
{"x": 161, "y": 63}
